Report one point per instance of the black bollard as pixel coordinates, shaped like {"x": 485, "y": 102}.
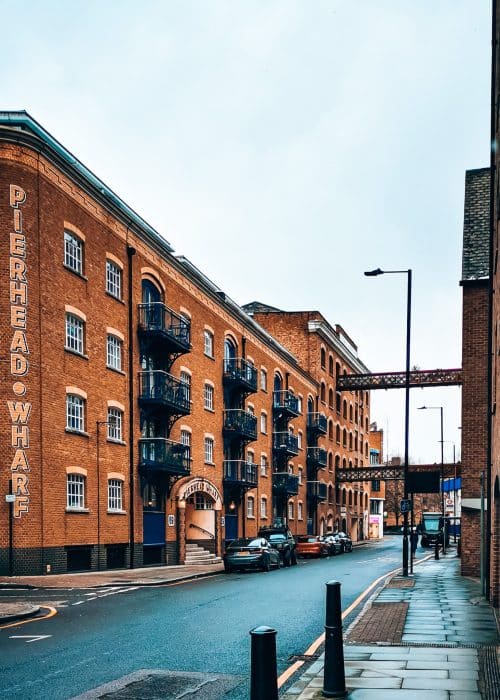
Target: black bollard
{"x": 333, "y": 673}
{"x": 436, "y": 549}
{"x": 263, "y": 673}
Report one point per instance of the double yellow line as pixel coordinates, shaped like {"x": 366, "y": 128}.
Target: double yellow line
{"x": 51, "y": 613}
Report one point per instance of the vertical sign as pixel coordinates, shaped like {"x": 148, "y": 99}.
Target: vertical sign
{"x": 19, "y": 409}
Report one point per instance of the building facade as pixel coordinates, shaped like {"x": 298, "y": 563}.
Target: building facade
{"x": 327, "y": 352}
{"x": 377, "y": 486}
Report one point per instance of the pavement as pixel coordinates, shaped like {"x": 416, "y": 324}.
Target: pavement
{"x": 431, "y": 636}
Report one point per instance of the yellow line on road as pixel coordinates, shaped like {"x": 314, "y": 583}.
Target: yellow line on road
{"x": 310, "y": 651}
{"x": 51, "y": 613}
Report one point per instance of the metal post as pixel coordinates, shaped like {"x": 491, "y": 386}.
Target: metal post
{"x": 98, "y": 469}
{"x": 481, "y": 535}
{"x": 436, "y": 548}
{"x": 11, "y": 533}
{"x": 412, "y": 525}
{"x": 454, "y": 496}
{"x": 407, "y": 423}
{"x": 442, "y": 483}
{"x": 263, "y": 673}
{"x": 333, "y": 672}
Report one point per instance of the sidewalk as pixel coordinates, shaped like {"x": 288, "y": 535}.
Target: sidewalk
{"x": 432, "y": 636}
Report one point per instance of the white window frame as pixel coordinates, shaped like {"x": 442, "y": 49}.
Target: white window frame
{"x": 263, "y": 465}
{"x": 75, "y": 491}
{"x": 186, "y": 441}
{"x": 299, "y": 439}
{"x": 263, "y": 423}
{"x": 263, "y": 379}
{"x": 113, "y": 279}
{"x": 299, "y": 474}
{"x": 299, "y": 511}
{"x": 75, "y": 333}
{"x": 263, "y": 507}
{"x": 73, "y": 252}
{"x": 250, "y": 507}
{"x": 291, "y": 510}
{"x": 209, "y": 397}
{"x": 115, "y": 495}
{"x": 75, "y": 413}
{"x": 114, "y": 347}
{"x": 115, "y": 424}
{"x": 209, "y": 450}
{"x": 208, "y": 343}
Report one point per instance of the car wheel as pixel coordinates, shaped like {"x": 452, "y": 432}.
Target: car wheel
{"x": 266, "y": 564}
{"x": 293, "y": 558}
{"x": 287, "y": 559}
{"x": 228, "y": 569}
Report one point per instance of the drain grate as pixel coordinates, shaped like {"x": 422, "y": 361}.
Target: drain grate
{"x": 489, "y": 673}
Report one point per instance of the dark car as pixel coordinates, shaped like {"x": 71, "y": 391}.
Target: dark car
{"x": 334, "y": 544}
{"x": 312, "y": 546}
{"x": 282, "y": 540}
{"x": 345, "y": 541}
{"x": 248, "y": 552}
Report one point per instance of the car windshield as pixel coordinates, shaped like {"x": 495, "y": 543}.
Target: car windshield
{"x": 432, "y": 524}
{"x": 246, "y": 542}
{"x": 277, "y": 538}
{"x": 307, "y": 539}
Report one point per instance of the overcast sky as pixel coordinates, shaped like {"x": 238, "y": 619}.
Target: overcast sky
{"x": 285, "y": 147}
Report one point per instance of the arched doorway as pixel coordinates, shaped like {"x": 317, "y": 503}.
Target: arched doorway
{"x": 199, "y": 506}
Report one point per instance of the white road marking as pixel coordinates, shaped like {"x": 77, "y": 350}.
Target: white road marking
{"x": 30, "y": 637}
{"x": 79, "y": 602}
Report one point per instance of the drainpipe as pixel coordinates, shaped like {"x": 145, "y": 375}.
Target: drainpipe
{"x": 130, "y": 254}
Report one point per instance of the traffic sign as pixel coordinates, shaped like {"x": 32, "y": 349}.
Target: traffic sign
{"x": 405, "y": 505}
{"x": 10, "y": 497}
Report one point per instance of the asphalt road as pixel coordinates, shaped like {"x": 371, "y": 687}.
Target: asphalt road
{"x": 100, "y": 635}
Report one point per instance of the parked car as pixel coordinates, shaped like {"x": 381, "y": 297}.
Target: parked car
{"x": 345, "y": 541}
{"x": 312, "y": 546}
{"x": 248, "y": 552}
{"x": 282, "y": 540}
{"x": 334, "y": 544}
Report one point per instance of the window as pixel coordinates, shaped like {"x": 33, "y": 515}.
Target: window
{"x": 344, "y": 409}
{"x": 330, "y": 365}
{"x": 250, "y": 457}
{"x": 290, "y": 510}
{"x": 375, "y": 485}
{"x": 75, "y": 491}
{"x": 299, "y": 473}
{"x": 250, "y": 507}
{"x": 299, "y": 439}
{"x": 209, "y": 397}
{"x": 75, "y": 413}
{"x": 113, "y": 279}
{"x": 299, "y": 404}
{"x": 115, "y": 423}
{"x": 114, "y": 352}
{"x": 330, "y": 398}
{"x": 322, "y": 394}
{"x": 374, "y": 505}
{"x": 344, "y": 438}
{"x": 201, "y": 501}
{"x": 186, "y": 378}
{"x": 186, "y": 440}
{"x": 208, "y": 340}
{"x": 263, "y": 507}
{"x": 115, "y": 494}
{"x": 330, "y": 430}
{"x": 337, "y": 434}
{"x": 263, "y": 423}
{"x": 74, "y": 333}
{"x": 263, "y": 380}
{"x": 323, "y": 358}
{"x": 209, "y": 450}
{"x": 73, "y": 252}
{"x": 338, "y": 401}
{"x": 263, "y": 465}
{"x": 299, "y": 510}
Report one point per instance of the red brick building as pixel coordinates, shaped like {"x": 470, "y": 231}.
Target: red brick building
{"x": 143, "y": 412}
{"x": 377, "y": 486}
{"x": 327, "y": 352}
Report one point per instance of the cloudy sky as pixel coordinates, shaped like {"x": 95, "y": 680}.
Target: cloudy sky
{"x": 285, "y": 146}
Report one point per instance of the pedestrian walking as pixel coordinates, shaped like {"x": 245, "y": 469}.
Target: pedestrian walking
{"x": 414, "y": 540}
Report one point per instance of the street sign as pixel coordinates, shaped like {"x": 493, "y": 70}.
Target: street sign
{"x": 10, "y": 497}
{"x": 405, "y": 506}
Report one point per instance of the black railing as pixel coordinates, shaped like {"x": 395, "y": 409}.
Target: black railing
{"x": 317, "y": 491}
{"x": 317, "y": 423}
{"x": 159, "y": 388}
{"x": 285, "y": 484}
{"x": 158, "y": 319}
{"x": 160, "y": 454}
{"x": 237, "y": 471}
{"x": 286, "y": 401}
{"x": 286, "y": 443}
{"x": 240, "y": 423}
{"x": 317, "y": 457}
{"x": 240, "y": 372}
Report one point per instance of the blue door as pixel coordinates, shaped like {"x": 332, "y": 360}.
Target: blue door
{"x": 153, "y": 528}
{"x": 231, "y": 526}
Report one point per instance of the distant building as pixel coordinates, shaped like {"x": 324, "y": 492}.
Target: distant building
{"x": 377, "y": 490}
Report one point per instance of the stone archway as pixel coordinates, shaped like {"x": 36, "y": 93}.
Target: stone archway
{"x": 199, "y": 506}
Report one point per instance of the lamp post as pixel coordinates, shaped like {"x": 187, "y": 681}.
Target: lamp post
{"x": 98, "y": 424}
{"x": 376, "y": 273}
{"x": 440, "y": 408}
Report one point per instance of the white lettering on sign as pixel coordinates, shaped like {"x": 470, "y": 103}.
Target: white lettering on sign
{"x": 19, "y": 411}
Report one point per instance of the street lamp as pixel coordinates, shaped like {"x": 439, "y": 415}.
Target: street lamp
{"x": 440, "y": 408}
{"x": 376, "y": 273}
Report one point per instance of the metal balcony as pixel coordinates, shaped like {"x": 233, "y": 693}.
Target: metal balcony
{"x": 285, "y": 484}
{"x": 241, "y": 424}
{"x": 240, "y": 374}
{"x": 317, "y": 457}
{"x": 237, "y": 472}
{"x": 158, "y": 322}
{"x": 286, "y": 403}
{"x": 285, "y": 443}
{"x": 160, "y": 390}
{"x": 316, "y": 425}
{"x": 166, "y": 456}
{"x": 317, "y": 491}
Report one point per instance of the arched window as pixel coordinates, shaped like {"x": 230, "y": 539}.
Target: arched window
{"x": 323, "y": 358}
{"x": 350, "y": 441}
{"x": 337, "y": 494}
{"x": 150, "y": 292}
{"x": 344, "y": 438}
{"x": 350, "y": 498}
{"x": 337, "y": 462}
{"x": 344, "y": 463}
{"x": 330, "y": 398}
{"x": 330, "y": 430}
{"x": 355, "y": 498}
{"x": 338, "y": 401}
{"x": 366, "y": 449}
{"x": 330, "y": 494}
{"x": 343, "y": 497}
{"x": 229, "y": 350}
{"x": 278, "y": 382}
{"x": 337, "y": 370}
{"x": 330, "y": 461}
{"x": 344, "y": 409}
{"x": 323, "y": 392}
{"x": 350, "y": 412}
{"x": 330, "y": 365}
{"x": 337, "y": 434}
